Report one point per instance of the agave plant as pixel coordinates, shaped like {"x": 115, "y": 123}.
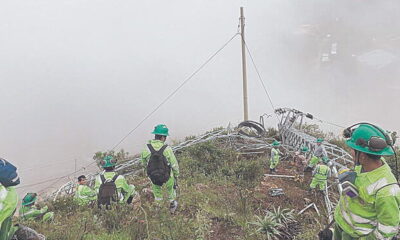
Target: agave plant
{"x": 268, "y": 226}
{"x": 282, "y": 215}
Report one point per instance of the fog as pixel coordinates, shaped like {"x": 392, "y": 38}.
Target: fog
{"x": 77, "y": 75}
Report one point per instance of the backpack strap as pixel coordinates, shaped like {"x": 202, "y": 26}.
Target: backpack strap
{"x": 162, "y": 149}
{"x": 115, "y": 177}
{"x": 152, "y": 150}
{"x": 103, "y": 179}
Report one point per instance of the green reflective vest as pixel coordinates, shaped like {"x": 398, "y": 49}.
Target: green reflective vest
{"x": 31, "y": 212}
{"x": 8, "y": 202}
{"x": 123, "y": 188}
{"x": 375, "y": 212}
{"x": 321, "y": 172}
{"x": 84, "y": 195}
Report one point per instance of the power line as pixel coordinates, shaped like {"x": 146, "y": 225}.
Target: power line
{"x": 261, "y": 80}
{"x": 176, "y": 90}
{"x": 55, "y": 179}
{"x": 146, "y": 117}
{"x": 268, "y": 95}
{"x": 330, "y": 123}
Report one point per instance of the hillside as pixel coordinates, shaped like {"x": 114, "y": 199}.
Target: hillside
{"x": 221, "y": 195}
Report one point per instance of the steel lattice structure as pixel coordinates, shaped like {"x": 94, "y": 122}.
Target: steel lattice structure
{"x": 290, "y": 130}
{"x": 225, "y": 136}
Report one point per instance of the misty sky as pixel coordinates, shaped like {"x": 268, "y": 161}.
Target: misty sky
{"x": 77, "y": 75}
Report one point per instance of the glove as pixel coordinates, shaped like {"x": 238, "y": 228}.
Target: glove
{"x": 325, "y": 234}
{"x": 176, "y": 183}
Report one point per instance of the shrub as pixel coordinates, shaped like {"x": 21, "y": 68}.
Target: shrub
{"x": 268, "y": 227}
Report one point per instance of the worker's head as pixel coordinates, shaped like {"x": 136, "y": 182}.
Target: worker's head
{"x": 108, "y": 163}
{"x": 368, "y": 141}
{"x": 304, "y": 149}
{"x": 161, "y": 132}
{"x": 319, "y": 141}
{"x": 29, "y": 199}
{"x": 82, "y": 180}
{"x": 276, "y": 144}
{"x": 324, "y": 160}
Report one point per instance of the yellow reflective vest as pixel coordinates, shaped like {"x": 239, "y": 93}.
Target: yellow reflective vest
{"x": 375, "y": 212}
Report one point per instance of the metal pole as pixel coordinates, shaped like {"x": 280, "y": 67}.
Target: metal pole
{"x": 245, "y": 104}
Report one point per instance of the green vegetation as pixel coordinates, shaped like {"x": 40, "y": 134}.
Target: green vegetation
{"x": 218, "y": 199}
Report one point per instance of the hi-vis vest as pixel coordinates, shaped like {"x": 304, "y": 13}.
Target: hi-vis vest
{"x": 8, "y": 202}
{"x": 321, "y": 173}
{"x": 375, "y": 212}
{"x": 274, "y": 155}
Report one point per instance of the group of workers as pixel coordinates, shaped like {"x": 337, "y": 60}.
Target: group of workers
{"x": 318, "y": 163}
{"x": 161, "y": 166}
{"x": 157, "y": 158}
{"x": 368, "y": 207}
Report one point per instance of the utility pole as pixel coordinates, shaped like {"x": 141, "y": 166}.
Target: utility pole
{"x": 244, "y": 71}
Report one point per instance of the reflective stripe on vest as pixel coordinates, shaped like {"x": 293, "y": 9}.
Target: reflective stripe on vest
{"x": 322, "y": 172}
{"x": 276, "y": 155}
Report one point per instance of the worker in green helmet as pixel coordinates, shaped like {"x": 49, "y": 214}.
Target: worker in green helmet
{"x": 320, "y": 175}
{"x": 161, "y": 166}
{"x": 369, "y": 204}
{"x": 275, "y": 156}
{"x": 301, "y": 158}
{"x": 318, "y": 154}
{"x": 8, "y": 205}
{"x": 84, "y": 195}
{"x": 110, "y": 181}
{"x": 30, "y": 211}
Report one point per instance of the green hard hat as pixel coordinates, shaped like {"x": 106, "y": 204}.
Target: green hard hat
{"x": 29, "y": 199}
{"x": 363, "y": 134}
{"x": 325, "y": 159}
{"x": 108, "y": 161}
{"x": 304, "y": 149}
{"x": 320, "y": 140}
{"x": 276, "y": 143}
{"x": 160, "y": 129}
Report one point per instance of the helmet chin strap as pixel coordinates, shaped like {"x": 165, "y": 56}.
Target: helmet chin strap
{"x": 357, "y": 156}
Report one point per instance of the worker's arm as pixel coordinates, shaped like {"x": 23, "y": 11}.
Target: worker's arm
{"x": 315, "y": 170}
{"x": 127, "y": 190}
{"x": 97, "y": 183}
{"x": 144, "y": 157}
{"x": 169, "y": 154}
{"x": 329, "y": 173}
{"x": 33, "y": 212}
{"x": 272, "y": 154}
{"x": 387, "y": 209}
{"x": 8, "y": 204}
{"x": 88, "y": 193}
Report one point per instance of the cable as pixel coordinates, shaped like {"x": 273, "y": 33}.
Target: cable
{"x": 176, "y": 90}
{"x": 56, "y": 179}
{"x": 259, "y": 77}
{"x": 147, "y": 116}
{"x": 331, "y": 123}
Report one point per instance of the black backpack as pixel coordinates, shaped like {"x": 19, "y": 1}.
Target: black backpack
{"x": 107, "y": 192}
{"x": 158, "y": 168}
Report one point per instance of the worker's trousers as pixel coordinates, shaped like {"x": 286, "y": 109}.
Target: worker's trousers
{"x": 339, "y": 234}
{"x": 318, "y": 182}
{"x": 169, "y": 185}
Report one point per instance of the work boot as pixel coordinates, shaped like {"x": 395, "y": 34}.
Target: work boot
{"x": 173, "y": 205}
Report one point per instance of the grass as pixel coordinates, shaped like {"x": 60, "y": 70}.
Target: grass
{"x": 217, "y": 200}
